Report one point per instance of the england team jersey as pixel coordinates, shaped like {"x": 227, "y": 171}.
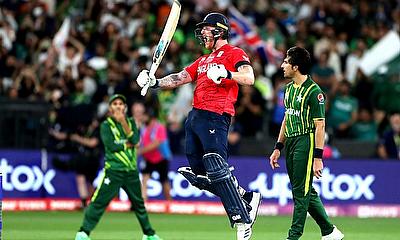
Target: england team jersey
{"x": 218, "y": 98}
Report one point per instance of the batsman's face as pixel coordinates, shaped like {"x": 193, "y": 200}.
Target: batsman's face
{"x": 208, "y": 37}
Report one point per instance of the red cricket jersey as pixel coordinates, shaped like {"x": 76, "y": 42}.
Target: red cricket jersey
{"x": 218, "y": 98}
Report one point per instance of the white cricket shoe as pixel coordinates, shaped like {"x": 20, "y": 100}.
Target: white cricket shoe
{"x": 243, "y": 231}
{"x": 255, "y": 205}
{"x": 334, "y": 235}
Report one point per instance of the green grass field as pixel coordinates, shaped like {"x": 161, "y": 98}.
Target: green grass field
{"x": 121, "y": 226}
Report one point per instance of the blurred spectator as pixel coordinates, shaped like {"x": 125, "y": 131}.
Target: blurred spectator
{"x": 365, "y": 128}
{"x": 278, "y": 111}
{"x": 85, "y": 156}
{"x": 250, "y": 110}
{"x": 271, "y": 33}
{"x": 363, "y": 84}
{"x": 342, "y": 111}
{"x": 353, "y": 60}
{"x": 324, "y": 75}
{"x": 234, "y": 137}
{"x": 70, "y": 56}
{"x": 177, "y": 115}
{"x": 155, "y": 151}
{"x": 330, "y": 151}
{"x": 138, "y": 114}
{"x": 389, "y": 144}
{"x": 27, "y": 84}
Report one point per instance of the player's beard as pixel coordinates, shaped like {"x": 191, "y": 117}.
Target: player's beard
{"x": 287, "y": 74}
{"x": 208, "y": 42}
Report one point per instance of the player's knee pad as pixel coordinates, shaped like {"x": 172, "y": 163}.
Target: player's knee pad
{"x": 217, "y": 168}
{"x": 201, "y": 182}
{"x": 224, "y": 184}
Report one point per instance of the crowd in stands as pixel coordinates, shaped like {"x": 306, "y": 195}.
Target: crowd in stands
{"x": 75, "y": 53}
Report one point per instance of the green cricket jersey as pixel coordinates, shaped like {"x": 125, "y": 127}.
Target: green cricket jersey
{"x": 117, "y": 155}
{"x": 303, "y": 103}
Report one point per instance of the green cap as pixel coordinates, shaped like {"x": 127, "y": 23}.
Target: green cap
{"x": 116, "y": 96}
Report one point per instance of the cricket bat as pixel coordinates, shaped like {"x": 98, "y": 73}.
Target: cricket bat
{"x": 168, "y": 33}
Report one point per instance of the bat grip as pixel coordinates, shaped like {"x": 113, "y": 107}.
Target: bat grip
{"x": 144, "y": 89}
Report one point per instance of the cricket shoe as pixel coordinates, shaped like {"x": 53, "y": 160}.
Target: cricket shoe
{"x": 255, "y": 205}
{"x": 81, "y": 236}
{"x": 243, "y": 231}
{"x": 152, "y": 237}
{"x": 334, "y": 235}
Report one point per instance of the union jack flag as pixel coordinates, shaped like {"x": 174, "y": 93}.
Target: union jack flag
{"x": 245, "y": 32}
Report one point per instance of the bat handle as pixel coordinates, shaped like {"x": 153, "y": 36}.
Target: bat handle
{"x": 144, "y": 89}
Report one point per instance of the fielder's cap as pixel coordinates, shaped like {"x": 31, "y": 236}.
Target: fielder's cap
{"x": 216, "y": 20}
{"x": 117, "y": 96}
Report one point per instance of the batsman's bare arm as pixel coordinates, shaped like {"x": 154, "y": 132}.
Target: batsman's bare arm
{"x": 174, "y": 80}
{"x": 244, "y": 75}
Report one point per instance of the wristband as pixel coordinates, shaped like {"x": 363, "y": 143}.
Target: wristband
{"x": 318, "y": 152}
{"x": 279, "y": 146}
{"x": 229, "y": 74}
{"x": 156, "y": 85}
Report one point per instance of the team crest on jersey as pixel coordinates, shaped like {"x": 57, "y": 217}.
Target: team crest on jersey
{"x": 321, "y": 98}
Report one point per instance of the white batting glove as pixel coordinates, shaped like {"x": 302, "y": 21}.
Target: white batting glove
{"x": 218, "y": 72}
{"x": 144, "y": 78}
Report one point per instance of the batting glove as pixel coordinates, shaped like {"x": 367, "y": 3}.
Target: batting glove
{"x": 218, "y": 72}
{"x": 144, "y": 78}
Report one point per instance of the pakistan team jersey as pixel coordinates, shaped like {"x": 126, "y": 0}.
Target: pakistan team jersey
{"x": 303, "y": 103}
{"x": 218, "y": 98}
{"x": 117, "y": 155}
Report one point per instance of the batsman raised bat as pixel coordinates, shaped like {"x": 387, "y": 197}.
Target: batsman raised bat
{"x": 168, "y": 33}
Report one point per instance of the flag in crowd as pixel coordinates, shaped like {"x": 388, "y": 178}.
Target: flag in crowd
{"x": 245, "y": 32}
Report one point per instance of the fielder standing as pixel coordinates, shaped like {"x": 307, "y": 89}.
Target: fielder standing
{"x": 119, "y": 135}
{"x": 216, "y": 77}
{"x": 303, "y": 131}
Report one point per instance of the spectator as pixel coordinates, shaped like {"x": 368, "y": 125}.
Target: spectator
{"x": 156, "y": 153}
{"x": 138, "y": 113}
{"x": 234, "y": 137}
{"x": 330, "y": 151}
{"x": 324, "y": 75}
{"x": 353, "y": 60}
{"x": 278, "y": 111}
{"x": 85, "y": 156}
{"x": 27, "y": 84}
{"x": 389, "y": 144}
{"x": 343, "y": 111}
{"x": 70, "y": 56}
{"x": 249, "y": 110}
{"x": 365, "y": 128}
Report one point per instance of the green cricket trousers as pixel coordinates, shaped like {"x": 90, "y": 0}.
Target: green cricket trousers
{"x": 299, "y": 164}
{"x": 108, "y": 188}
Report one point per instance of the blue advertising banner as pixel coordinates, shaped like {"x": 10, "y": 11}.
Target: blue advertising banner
{"x": 30, "y": 174}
